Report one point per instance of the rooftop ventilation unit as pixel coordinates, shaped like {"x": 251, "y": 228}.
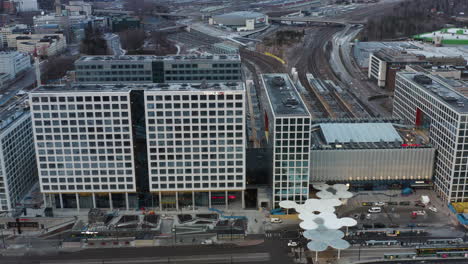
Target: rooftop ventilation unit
{"x": 278, "y": 81}
{"x": 422, "y": 79}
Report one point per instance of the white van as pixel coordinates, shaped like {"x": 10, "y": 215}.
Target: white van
{"x": 375, "y": 210}
{"x": 275, "y": 220}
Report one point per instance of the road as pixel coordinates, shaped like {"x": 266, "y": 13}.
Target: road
{"x": 113, "y": 41}
{"x": 349, "y": 73}
{"x": 195, "y": 259}
{"x": 26, "y": 81}
{"x": 271, "y": 251}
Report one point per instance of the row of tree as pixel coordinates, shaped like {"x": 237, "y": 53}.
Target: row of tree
{"x": 412, "y": 17}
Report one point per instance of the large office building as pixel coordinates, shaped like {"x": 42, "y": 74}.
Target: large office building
{"x": 370, "y": 154}
{"x": 288, "y": 125}
{"x": 384, "y": 63}
{"x": 103, "y": 145}
{"x": 84, "y": 145}
{"x": 431, "y": 104}
{"x": 196, "y": 143}
{"x": 13, "y": 62}
{"x": 156, "y": 69}
{"x": 42, "y": 44}
{"x": 241, "y": 20}
{"x": 18, "y": 172}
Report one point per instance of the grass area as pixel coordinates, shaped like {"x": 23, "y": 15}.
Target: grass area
{"x": 444, "y": 41}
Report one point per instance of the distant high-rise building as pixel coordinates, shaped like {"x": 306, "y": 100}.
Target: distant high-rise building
{"x": 26, "y": 5}
{"x": 158, "y": 69}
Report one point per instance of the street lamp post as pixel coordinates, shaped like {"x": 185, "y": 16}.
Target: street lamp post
{"x": 359, "y": 252}
{"x": 174, "y": 230}
{"x": 3, "y": 239}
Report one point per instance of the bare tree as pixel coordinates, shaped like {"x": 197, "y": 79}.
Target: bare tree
{"x": 132, "y": 39}
{"x": 56, "y": 67}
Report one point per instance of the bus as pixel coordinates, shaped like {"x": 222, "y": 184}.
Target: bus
{"x": 382, "y": 242}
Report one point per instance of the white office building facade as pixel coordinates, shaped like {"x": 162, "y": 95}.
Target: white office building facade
{"x": 14, "y": 62}
{"x": 288, "y": 121}
{"x": 18, "y": 172}
{"x": 431, "y": 104}
{"x": 196, "y": 144}
{"x": 84, "y": 146}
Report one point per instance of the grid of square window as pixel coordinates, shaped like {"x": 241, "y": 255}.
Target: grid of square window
{"x": 83, "y": 141}
{"x": 18, "y": 162}
{"x": 447, "y": 130}
{"x": 291, "y": 159}
{"x": 195, "y": 140}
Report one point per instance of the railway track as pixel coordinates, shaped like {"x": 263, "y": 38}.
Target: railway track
{"x": 316, "y": 62}
{"x": 265, "y": 63}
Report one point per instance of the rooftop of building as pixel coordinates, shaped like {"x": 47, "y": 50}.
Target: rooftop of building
{"x": 207, "y": 87}
{"x": 441, "y": 88}
{"x": 362, "y": 50}
{"x": 12, "y": 108}
{"x": 359, "y": 132}
{"x": 283, "y": 95}
{"x": 365, "y": 134}
{"x": 393, "y": 55}
{"x": 230, "y": 57}
{"x": 240, "y": 14}
{"x": 456, "y": 35}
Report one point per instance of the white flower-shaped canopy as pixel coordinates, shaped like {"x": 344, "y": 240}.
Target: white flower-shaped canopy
{"x": 325, "y": 220}
{"x": 312, "y": 205}
{"x": 325, "y": 238}
{"x": 336, "y": 191}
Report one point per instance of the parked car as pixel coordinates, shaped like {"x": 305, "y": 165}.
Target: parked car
{"x": 362, "y": 217}
{"x": 432, "y": 208}
{"x": 419, "y": 212}
{"x": 393, "y": 234}
{"x": 275, "y": 220}
{"x": 405, "y": 203}
{"x": 379, "y": 225}
{"x": 207, "y": 242}
{"x": 420, "y": 204}
{"x": 379, "y": 204}
{"x": 292, "y": 243}
{"x": 366, "y": 204}
{"x": 375, "y": 210}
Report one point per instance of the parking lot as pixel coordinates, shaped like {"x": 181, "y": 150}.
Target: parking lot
{"x": 396, "y": 210}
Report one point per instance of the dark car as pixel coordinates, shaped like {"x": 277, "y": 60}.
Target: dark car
{"x": 379, "y": 225}
{"x": 405, "y": 203}
{"x": 420, "y": 204}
